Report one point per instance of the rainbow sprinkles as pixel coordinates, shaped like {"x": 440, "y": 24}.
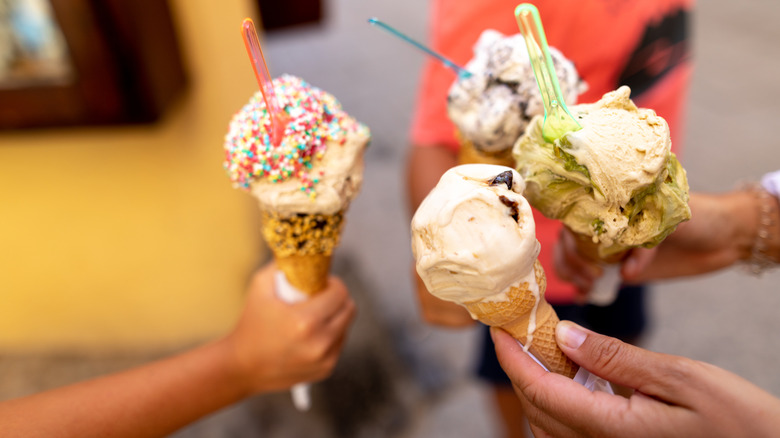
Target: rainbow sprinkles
{"x": 316, "y": 120}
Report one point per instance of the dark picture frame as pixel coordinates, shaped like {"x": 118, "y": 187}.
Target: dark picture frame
{"x": 126, "y": 62}
{"x": 277, "y": 15}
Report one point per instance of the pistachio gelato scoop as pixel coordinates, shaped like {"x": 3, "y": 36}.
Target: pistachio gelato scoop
{"x": 615, "y": 180}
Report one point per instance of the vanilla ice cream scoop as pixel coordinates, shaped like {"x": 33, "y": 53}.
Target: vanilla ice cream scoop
{"x": 615, "y": 180}
{"x": 493, "y": 106}
{"x": 473, "y": 237}
{"x": 474, "y": 243}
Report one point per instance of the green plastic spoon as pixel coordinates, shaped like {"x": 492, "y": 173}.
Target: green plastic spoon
{"x": 557, "y": 119}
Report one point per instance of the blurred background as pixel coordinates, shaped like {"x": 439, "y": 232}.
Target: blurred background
{"x": 121, "y": 239}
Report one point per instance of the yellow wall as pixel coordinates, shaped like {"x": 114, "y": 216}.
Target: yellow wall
{"x": 119, "y": 238}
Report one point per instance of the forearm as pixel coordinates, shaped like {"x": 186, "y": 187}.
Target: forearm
{"x": 426, "y": 165}
{"x": 766, "y": 243}
{"x": 149, "y": 401}
{"x": 754, "y": 217}
{"x": 727, "y": 222}
{"x": 724, "y": 229}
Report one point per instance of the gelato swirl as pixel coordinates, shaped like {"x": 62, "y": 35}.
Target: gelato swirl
{"x": 473, "y": 236}
{"x": 493, "y": 106}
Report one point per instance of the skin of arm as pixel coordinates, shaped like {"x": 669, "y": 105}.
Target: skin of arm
{"x": 425, "y": 166}
{"x": 721, "y": 232}
{"x": 273, "y": 346}
{"x": 674, "y": 396}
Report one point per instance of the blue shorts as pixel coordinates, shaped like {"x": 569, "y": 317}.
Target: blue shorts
{"x": 624, "y": 319}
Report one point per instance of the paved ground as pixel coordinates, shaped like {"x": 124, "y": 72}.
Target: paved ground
{"x": 401, "y": 378}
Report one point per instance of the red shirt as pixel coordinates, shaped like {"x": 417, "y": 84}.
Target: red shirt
{"x": 639, "y": 43}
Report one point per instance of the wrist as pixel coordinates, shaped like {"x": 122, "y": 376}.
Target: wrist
{"x": 764, "y": 226}
{"x": 236, "y": 371}
{"x": 738, "y": 221}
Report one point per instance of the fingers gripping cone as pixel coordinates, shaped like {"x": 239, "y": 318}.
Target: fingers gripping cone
{"x": 529, "y": 321}
{"x": 301, "y": 155}
{"x": 605, "y": 288}
{"x": 303, "y": 246}
{"x": 586, "y": 247}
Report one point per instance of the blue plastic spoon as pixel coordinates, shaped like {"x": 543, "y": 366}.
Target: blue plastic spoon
{"x": 460, "y": 71}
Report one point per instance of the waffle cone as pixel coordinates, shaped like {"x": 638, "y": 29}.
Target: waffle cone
{"x": 469, "y": 154}
{"x": 303, "y": 245}
{"x": 514, "y": 316}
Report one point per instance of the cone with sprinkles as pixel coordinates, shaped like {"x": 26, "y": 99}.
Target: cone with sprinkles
{"x": 301, "y": 155}
{"x": 305, "y": 184}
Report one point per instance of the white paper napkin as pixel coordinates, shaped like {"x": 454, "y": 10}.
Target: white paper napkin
{"x": 287, "y": 293}
{"x": 584, "y": 378}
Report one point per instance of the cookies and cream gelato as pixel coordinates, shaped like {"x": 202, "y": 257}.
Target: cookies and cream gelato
{"x": 493, "y": 106}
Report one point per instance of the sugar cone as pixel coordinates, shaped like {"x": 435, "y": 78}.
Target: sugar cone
{"x": 303, "y": 245}
{"x": 514, "y": 316}
{"x": 468, "y": 154}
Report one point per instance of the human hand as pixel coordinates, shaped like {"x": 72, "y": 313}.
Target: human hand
{"x": 440, "y": 312}
{"x": 276, "y": 344}
{"x": 573, "y": 267}
{"x": 721, "y": 232}
{"x": 674, "y": 396}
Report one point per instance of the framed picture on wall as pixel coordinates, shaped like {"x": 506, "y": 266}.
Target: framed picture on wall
{"x": 275, "y": 14}
{"x": 81, "y": 62}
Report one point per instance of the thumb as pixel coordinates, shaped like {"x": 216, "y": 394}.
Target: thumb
{"x": 651, "y": 373}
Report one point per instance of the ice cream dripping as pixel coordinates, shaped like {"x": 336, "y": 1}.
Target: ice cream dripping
{"x": 474, "y": 243}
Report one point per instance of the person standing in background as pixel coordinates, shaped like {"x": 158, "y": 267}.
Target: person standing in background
{"x": 642, "y": 44}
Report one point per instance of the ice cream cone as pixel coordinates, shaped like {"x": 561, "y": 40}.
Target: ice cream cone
{"x": 303, "y": 245}
{"x": 526, "y": 312}
{"x": 594, "y": 252}
{"x": 305, "y": 183}
{"x": 469, "y": 154}
{"x": 615, "y": 178}
{"x": 492, "y": 107}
